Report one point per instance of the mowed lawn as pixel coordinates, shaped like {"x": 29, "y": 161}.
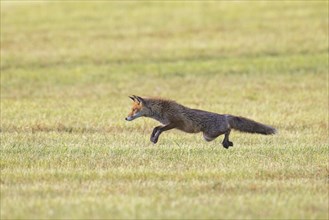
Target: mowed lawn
{"x": 67, "y": 69}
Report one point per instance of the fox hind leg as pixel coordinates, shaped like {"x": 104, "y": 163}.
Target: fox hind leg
{"x": 226, "y": 143}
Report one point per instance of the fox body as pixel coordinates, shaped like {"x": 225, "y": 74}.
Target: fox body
{"x": 173, "y": 115}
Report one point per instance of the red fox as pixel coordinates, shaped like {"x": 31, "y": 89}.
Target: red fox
{"x": 173, "y": 115}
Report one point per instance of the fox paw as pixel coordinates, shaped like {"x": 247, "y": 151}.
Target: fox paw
{"x": 154, "y": 139}
{"x": 227, "y": 144}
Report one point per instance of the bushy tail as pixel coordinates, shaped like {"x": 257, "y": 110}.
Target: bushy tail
{"x": 250, "y": 126}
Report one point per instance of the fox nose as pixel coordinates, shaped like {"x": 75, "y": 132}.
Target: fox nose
{"x": 126, "y": 119}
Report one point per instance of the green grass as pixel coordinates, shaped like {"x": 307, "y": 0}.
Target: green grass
{"x": 68, "y": 67}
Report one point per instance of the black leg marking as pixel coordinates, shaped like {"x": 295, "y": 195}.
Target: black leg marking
{"x": 155, "y": 130}
{"x": 226, "y": 143}
{"x": 154, "y": 138}
{"x": 158, "y": 130}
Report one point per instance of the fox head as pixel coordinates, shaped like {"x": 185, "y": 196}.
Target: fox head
{"x": 138, "y": 109}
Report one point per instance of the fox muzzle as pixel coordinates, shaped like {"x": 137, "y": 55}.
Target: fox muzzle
{"x": 129, "y": 118}
{"x": 132, "y": 117}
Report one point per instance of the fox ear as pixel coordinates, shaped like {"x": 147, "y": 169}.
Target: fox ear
{"x": 139, "y": 99}
{"x": 132, "y": 98}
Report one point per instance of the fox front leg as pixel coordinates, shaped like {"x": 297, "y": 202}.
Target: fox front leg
{"x": 153, "y": 135}
{"x": 158, "y": 130}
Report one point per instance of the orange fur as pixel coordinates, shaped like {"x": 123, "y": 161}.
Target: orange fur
{"x": 136, "y": 107}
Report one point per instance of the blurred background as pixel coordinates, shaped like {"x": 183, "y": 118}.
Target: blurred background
{"x": 68, "y": 67}
{"x": 84, "y": 56}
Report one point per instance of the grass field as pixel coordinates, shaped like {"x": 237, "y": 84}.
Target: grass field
{"x": 68, "y": 67}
